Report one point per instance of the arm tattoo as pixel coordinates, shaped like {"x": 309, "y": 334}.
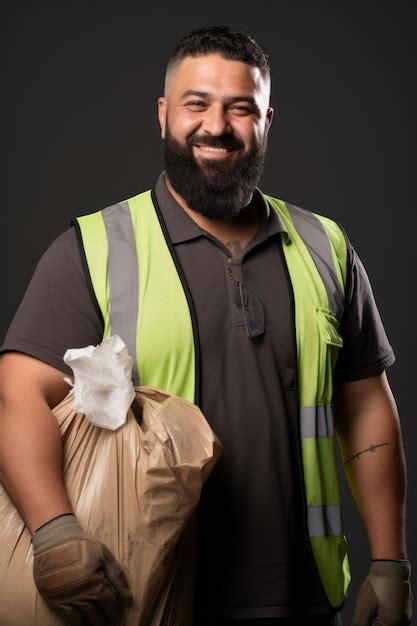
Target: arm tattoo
{"x": 371, "y": 448}
{"x": 235, "y": 245}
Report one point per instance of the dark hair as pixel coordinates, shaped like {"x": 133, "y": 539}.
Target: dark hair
{"x": 229, "y": 42}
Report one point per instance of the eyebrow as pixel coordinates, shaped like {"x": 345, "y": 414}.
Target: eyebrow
{"x": 231, "y": 100}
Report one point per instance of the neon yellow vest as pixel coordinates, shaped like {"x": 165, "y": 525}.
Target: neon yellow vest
{"x": 141, "y": 294}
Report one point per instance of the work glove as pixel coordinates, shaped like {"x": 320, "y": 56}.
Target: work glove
{"x": 385, "y": 594}
{"x": 77, "y": 575}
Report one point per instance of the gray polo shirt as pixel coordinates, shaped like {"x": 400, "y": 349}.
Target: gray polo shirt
{"x": 253, "y": 557}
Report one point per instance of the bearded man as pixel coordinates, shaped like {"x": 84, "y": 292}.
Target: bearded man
{"x": 283, "y": 349}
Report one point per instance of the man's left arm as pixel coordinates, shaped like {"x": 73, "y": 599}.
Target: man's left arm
{"x": 369, "y": 435}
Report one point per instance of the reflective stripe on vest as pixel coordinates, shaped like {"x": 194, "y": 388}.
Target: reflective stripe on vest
{"x": 317, "y": 420}
{"x": 316, "y": 261}
{"x": 141, "y": 292}
{"x": 315, "y": 237}
{"x": 123, "y": 278}
{"x": 324, "y": 520}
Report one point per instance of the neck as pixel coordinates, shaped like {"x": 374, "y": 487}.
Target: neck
{"x": 242, "y": 226}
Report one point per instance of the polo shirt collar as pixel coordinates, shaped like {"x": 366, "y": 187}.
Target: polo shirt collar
{"x": 181, "y": 226}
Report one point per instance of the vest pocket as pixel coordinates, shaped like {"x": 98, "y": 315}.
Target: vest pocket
{"x": 328, "y": 327}
{"x": 330, "y": 342}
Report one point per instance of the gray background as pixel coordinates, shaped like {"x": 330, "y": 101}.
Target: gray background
{"x": 81, "y": 133}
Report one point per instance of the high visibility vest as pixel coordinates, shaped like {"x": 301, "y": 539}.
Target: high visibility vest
{"x": 141, "y": 294}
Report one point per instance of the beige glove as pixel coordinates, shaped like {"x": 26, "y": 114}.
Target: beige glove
{"x": 385, "y": 594}
{"x": 77, "y": 575}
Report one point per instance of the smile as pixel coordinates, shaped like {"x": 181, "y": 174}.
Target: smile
{"x": 211, "y": 149}
{"x": 213, "y": 153}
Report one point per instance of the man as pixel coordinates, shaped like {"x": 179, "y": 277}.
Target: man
{"x": 244, "y": 305}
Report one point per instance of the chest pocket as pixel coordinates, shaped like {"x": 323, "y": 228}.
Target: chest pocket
{"x": 330, "y": 343}
{"x": 328, "y": 327}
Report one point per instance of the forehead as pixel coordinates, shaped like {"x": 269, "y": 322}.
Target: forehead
{"x": 219, "y": 76}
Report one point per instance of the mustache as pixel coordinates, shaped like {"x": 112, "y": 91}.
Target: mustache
{"x": 229, "y": 142}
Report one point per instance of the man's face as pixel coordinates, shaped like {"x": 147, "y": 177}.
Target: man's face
{"x": 214, "y": 120}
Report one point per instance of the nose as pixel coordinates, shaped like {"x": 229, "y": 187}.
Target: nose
{"x": 216, "y": 121}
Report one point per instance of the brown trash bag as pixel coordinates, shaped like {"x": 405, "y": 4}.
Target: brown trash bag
{"x": 134, "y": 489}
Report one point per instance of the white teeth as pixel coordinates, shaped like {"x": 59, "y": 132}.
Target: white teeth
{"x": 210, "y": 149}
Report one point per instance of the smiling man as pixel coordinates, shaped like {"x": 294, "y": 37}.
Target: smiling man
{"x": 259, "y": 312}
{"x": 215, "y": 118}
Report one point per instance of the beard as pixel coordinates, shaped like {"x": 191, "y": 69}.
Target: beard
{"x": 217, "y": 189}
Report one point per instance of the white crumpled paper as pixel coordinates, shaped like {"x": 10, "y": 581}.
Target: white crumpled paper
{"x": 103, "y": 388}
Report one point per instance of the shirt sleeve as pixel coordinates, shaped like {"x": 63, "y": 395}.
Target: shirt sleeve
{"x": 366, "y": 350}
{"x": 56, "y": 312}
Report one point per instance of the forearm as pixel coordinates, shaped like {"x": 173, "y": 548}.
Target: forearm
{"x": 31, "y": 459}
{"x": 373, "y": 456}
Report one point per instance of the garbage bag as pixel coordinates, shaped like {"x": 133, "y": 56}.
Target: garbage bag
{"x": 136, "y": 490}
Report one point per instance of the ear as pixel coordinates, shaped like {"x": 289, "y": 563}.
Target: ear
{"x": 269, "y": 117}
{"x": 162, "y": 115}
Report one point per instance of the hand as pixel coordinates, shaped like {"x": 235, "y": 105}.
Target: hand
{"x": 77, "y": 575}
{"x": 385, "y": 594}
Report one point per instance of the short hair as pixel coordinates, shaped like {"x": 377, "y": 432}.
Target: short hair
{"x": 229, "y": 42}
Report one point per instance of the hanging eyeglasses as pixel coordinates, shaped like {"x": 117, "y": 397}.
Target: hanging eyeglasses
{"x": 252, "y": 309}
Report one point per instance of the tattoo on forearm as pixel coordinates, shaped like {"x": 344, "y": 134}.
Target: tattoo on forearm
{"x": 371, "y": 448}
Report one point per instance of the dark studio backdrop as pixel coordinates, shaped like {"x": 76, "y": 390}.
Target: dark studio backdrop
{"x": 81, "y": 133}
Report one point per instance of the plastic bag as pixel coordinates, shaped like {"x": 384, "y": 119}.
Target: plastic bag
{"x": 135, "y": 489}
{"x": 103, "y": 388}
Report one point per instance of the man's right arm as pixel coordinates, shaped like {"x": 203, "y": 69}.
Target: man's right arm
{"x": 56, "y": 313}
{"x": 95, "y": 588}
{"x": 30, "y": 442}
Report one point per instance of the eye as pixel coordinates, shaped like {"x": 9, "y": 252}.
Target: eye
{"x": 242, "y": 109}
{"x": 196, "y": 104}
